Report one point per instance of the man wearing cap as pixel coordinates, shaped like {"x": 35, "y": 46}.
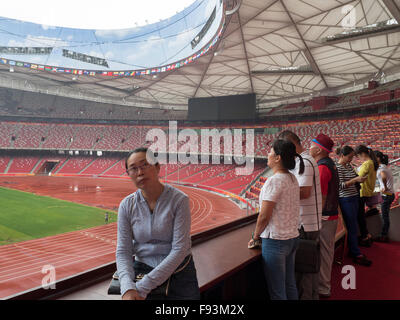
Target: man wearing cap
{"x": 320, "y": 148}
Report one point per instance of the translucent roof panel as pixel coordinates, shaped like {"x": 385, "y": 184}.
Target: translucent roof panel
{"x": 93, "y": 14}
{"x": 142, "y": 47}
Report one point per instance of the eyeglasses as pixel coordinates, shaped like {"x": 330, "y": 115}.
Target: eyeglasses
{"x": 135, "y": 170}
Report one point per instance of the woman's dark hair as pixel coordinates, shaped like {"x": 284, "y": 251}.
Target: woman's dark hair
{"x": 289, "y": 135}
{"x": 383, "y": 158}
{"x": 344, "y": 151}
{"x": 363, "y": 149}
{"x": 141, "y": 149}
{"x": 287, "y": 151}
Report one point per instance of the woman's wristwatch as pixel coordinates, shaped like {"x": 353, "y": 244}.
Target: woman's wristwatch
{"x": 256, "y": 242}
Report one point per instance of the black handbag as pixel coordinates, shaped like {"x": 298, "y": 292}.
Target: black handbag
{"x": 357, "y": 185}
{"x": 308, "y": 258}
{"x": 141, "y": 269}
{"x": 115, "y": 288}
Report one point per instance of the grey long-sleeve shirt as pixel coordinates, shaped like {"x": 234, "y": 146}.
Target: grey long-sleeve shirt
{"x": 160, "y": 239}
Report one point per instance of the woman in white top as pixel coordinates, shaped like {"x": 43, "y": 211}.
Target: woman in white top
{"x": 385, "y": 177}
{"x": 278, "y": 221}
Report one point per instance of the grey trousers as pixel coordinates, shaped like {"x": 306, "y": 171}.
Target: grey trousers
{"x": 327, "y": 238}
{"x": 308, "y": 283}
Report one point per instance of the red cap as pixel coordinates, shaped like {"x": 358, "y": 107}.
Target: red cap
{"x": 324, "y": 142}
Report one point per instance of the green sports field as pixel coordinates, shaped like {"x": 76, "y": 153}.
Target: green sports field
{"x": 25, "y": 216}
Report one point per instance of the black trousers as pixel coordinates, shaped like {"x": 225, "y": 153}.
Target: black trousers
{"x": 182, "y": 285}
{"x": 362, "y": 222}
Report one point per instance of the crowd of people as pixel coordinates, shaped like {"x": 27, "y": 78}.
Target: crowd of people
{"x": 301, "y": 201}
{"x": 325, "y": 188}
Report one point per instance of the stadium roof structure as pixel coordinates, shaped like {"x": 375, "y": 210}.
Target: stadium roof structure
{"x": 282, "y": 50}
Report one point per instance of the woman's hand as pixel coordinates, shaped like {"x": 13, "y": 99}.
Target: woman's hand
{"x": 132, "y": 295}
{"x": 254, "y": 243}
{"x": 250, "y": 244}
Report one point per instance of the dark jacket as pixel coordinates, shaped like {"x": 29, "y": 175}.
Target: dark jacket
{"x": 332, "y": 199}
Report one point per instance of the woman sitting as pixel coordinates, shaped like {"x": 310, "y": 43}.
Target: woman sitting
{"x": 154, "y": 226}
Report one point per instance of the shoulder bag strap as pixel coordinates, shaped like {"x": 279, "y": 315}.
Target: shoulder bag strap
{"x": 315, "y": 191}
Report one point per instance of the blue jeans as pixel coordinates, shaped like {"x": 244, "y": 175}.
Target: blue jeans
{"x": 278, "y": 257}
{"x": 385, "y": 207}
{"x": 349, "y": 207}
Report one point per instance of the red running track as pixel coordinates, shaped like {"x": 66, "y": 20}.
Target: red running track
{"x": 75, "y": 252}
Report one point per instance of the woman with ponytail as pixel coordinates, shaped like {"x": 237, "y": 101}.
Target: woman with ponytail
{"x": 349, "y": 199}
{"x": 278, "y": 221}
{"x": 368, "y": 169}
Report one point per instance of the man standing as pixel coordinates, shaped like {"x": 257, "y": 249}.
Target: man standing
{"x": 319, "y": 150}
{"x": 106, "y": 217}
{"x": 310, "y": 212}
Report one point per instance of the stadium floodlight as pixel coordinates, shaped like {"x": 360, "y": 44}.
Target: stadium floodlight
{"x": 84, "y": 58}
{"x": 361, "y": 31}
{"x": 26, "y": 50}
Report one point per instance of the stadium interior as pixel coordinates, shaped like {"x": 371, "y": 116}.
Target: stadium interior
{"x": 296, "y": 66}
